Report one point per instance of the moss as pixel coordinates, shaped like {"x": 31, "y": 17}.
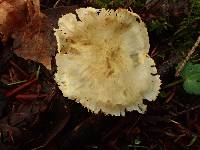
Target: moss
{"x": 113, "y": 3}
{"x": 189, "y": 27}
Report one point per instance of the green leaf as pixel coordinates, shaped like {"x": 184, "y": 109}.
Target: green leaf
{"x": 38, "y": 72}
{"x": 191, "y": 75}
{"x": 194, "y": 139}
{"x": 190, "y": 69}
{"x": 192, "y": 84}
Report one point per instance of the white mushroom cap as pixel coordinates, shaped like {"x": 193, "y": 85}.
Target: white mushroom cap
{"x": 102, "y": 61}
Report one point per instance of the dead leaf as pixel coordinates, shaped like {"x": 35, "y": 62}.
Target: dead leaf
{"x": 31, "y": 30}
{"x": 35, "y": 40}
{"x": 12, "y": 16}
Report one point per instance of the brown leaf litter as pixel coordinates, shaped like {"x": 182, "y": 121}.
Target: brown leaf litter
{"x": 31, "y": 30}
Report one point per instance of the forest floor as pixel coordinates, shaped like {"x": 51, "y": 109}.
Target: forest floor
{"x": 35, "y": 115}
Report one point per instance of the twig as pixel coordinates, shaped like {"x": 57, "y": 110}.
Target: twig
{"x": 154, "y": 52}
{"x": 14, "y": 91}
{"x": 130, "y": 9}
{"x": 30, "y": 97}
{"x": 54, "y": 6}
{"x": 17, "y": 82}
{"x": 196, "y": 44}
{"x": 38, "y": 72}
{"x": 186, "y": 111}
{"x": 173, "y": 83}
{"x": 18, "y": 68}
{"x": 171, "y": 96}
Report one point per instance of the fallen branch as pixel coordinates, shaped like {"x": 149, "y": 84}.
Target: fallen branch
{"x": 196, "y": 44}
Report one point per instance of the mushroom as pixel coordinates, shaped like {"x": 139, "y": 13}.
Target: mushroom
{"x": 103, "y": 62}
